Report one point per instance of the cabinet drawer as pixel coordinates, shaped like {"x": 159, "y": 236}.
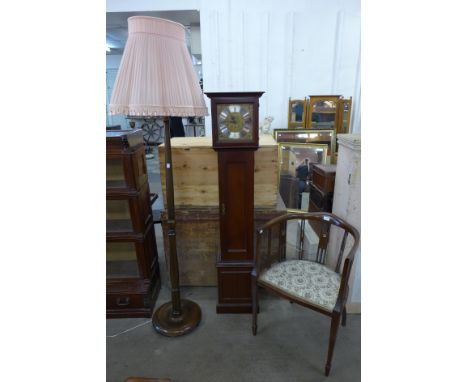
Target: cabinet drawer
{"x": 323, "y": 177}
{"x": 125, "y": 301}
{"x": 131, "y": 297}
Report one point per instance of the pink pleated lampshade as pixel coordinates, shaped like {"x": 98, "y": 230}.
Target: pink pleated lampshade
{"x": 156, "y": 77}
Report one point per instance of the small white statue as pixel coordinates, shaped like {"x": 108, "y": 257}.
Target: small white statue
{"x": 267, "y": 125}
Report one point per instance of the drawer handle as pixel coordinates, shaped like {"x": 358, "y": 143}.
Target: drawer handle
{"x": 123, "y": 301}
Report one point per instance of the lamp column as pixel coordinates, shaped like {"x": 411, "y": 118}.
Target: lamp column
{"x": 178, "y": 316}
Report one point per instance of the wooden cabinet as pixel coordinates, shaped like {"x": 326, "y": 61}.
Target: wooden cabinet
{"x": 347, "y": 205}
{"x": 321, "y": 190}
{"x": 198, "y": 241}
{"x": 323, "y": 177}
{"x": 132, "y": 268}
{"x": 195, "y": 168}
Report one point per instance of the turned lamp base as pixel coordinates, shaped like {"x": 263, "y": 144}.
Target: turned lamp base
{"x": 172, "y": 326}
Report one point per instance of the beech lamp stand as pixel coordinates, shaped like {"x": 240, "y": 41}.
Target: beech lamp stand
{"x": 178, "y": 316}
{"x": 235, "y": 138}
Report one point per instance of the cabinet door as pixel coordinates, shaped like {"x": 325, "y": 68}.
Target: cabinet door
{"x": 236, "y": 185}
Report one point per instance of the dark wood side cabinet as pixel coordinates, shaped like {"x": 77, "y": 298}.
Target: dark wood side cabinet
{"x": 321, "y": 190}
{"x": 132, "y": 268}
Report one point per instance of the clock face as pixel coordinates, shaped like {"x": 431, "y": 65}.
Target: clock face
{"x": 235, "y": 121}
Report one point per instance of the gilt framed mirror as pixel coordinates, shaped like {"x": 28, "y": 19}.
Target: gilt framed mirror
{"x": 295, "y": 171}
{"x": 327, "y": 137}
{"x": 323, "y": 112}
{"x": 297, "y": 112}
{"x": 344, "y": 116}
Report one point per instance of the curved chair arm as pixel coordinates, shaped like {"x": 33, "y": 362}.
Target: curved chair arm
{"x": 320, "y": 216}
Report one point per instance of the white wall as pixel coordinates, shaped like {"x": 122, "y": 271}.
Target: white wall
{"x": 151, "y": 5}
{"x": 287, "y": 49}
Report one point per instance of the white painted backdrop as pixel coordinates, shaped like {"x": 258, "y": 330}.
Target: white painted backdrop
{"x": 287, "y": 49}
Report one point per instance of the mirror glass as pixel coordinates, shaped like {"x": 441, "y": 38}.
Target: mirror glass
{"x": 297, "y": 112}
{"x": 323, "y": 114}
{"x": 345, "y": 117}
{"x": 296, "y": 162}
{"x": 307, "y": 136}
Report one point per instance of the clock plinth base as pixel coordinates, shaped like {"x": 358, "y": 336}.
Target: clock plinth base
{"x": 234, "y": 288}
{"x": 173, "y": 326}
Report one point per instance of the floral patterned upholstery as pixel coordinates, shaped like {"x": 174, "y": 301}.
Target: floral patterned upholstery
{"x": 306, "y": 280}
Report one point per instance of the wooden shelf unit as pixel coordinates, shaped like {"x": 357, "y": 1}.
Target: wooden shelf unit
{"x": 132, "y": 268}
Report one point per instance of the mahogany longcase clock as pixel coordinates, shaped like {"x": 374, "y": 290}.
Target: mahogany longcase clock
{"x": 235, "y": 138}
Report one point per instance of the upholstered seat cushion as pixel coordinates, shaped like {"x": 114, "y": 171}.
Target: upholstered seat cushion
{"x": 306, "y": 280}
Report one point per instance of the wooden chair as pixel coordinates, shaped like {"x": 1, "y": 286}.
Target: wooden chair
{"x": 307, "y": 282}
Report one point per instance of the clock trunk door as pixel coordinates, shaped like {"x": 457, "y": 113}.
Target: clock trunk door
{"x": 236, "y": 182}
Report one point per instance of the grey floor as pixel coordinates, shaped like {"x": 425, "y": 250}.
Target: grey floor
{"x": 291, "y": 343}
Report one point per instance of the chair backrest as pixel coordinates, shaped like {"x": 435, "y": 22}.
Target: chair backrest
{"x": 318, "y": 222}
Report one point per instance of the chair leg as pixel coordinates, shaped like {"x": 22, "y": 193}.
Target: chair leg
{"x": 335, "y": 323}
{"x": 254, "y": 305}
{"x": 343, "y": 317}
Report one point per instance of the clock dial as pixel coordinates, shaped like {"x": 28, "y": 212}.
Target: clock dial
{"x": 235, "y": 121}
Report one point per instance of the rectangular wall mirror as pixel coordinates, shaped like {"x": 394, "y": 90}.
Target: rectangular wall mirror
{"x": 327, "y": 137}
{"x": 295, "y": 169}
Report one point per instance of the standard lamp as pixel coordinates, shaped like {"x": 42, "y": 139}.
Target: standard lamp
{"x": 156, "y": 78}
